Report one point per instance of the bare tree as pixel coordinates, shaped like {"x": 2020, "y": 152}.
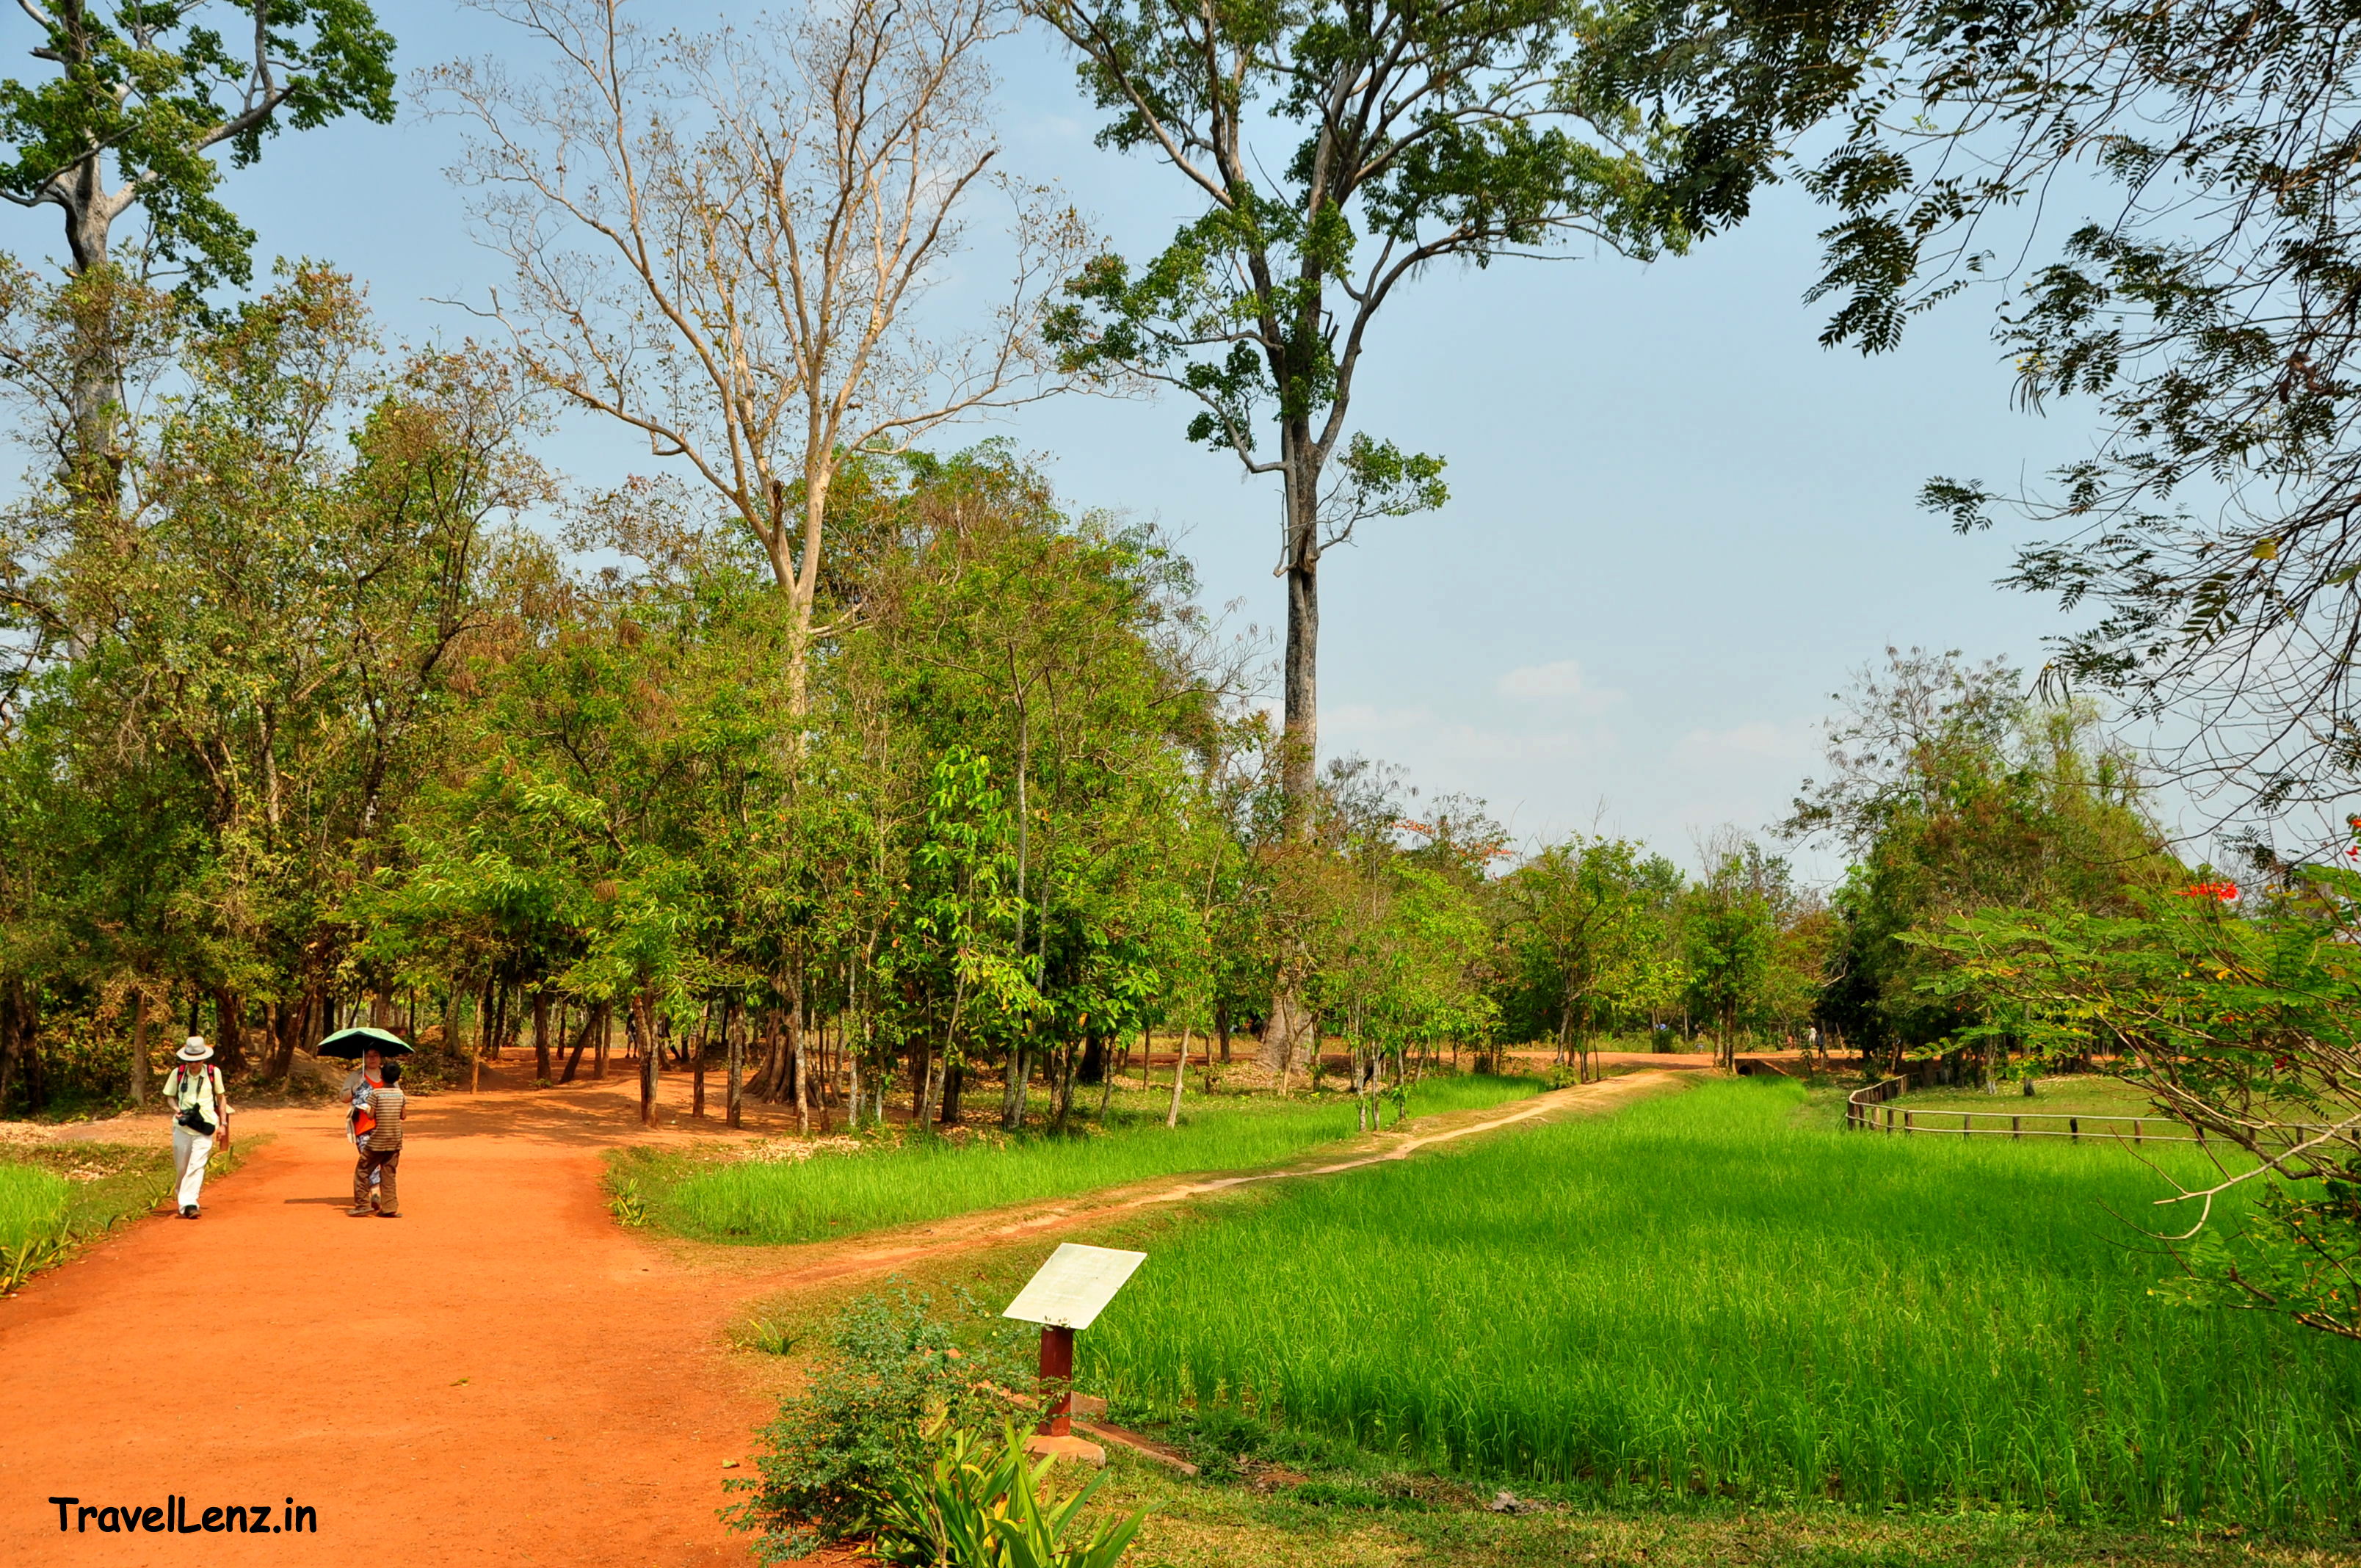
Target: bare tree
{"x": 723, "y": 241}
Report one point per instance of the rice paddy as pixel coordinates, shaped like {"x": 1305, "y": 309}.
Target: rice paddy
{"x": 1701, "y": 1295}
{"x": 32, "y": 1204}
{"x": 926, "y": 1179}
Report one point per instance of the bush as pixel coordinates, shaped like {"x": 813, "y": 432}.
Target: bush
{"x": 894, "y": 1373}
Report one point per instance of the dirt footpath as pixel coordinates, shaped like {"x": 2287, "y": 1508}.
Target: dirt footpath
{"x": 503, "y": 1375}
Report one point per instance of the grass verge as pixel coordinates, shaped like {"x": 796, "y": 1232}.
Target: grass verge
{"x": 1356, "y": 1516}
{"x": 882, "y": 1184}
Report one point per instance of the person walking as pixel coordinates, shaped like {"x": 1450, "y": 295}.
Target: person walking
{"x": 359, "y": 1122}
{"x": 200, "y": 1114}
{"x": 381, "y": 1158}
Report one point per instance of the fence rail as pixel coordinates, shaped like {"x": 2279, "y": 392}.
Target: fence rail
{"x": 1870, "y": 1110}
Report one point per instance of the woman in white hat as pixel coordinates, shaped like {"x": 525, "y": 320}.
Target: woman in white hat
{"x": 200, "y": 1114}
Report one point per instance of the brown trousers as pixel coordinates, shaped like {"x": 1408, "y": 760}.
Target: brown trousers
{"x": 385, "y": 1162}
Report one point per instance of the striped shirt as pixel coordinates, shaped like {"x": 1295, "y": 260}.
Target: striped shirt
{"x": 386, "y": 1104}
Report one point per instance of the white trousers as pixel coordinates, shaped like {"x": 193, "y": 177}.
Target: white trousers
{"x": 190, "y": 1152}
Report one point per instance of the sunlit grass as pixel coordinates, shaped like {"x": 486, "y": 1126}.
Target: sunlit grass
{"x": 923, "y": 1178}
{"x": 32, "y": 1204}
{"x": 1699, "y": 1293}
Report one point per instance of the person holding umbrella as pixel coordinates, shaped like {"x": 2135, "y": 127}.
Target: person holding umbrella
{"x": 382, "y": 1156}
{"x": 372, "y": 1048}
{"x": 199, "y": 1109}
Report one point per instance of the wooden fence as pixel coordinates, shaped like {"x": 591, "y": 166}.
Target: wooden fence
{"x": 1870, "y": 1110}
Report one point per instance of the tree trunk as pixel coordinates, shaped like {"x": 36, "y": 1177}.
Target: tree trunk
{"x": 954, "y": 1079}
{"x": 229, "y": 1033}
{"x": 803, "y": 1096}
{"x": 922, "y": 1087}
{"x": 1299, "y": 762}
{"x": 1284, "y": 1029}
{"x": 606, "y": 1032}
{"x": 651, "y": 1058}
{"x": 1179, "y": 1071}
{"x": 139, "y": 1080}
{"x": 284, "y": 1021}
{"x": 593, "y": 1022}
{"x": 1222, "y": 1027}
{"x": 1012, "y": 1090}
{"x": 539, "y": 1037}
{"x": 20, "y": 1062}
{"x": 1093, "y": 1069}
{"x": 696, "y": 1064}
{"x": 733, "y": 1032}
{"x": 1061, "y": 1084}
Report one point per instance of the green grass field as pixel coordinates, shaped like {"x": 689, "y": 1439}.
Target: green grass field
{"x": 1701, "y": 1294}
{"x": 921, "y": 1179}
{"x": 32, "y": 1202}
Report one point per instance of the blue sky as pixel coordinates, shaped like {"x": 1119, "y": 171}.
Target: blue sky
{"x": 1677, "y": 523}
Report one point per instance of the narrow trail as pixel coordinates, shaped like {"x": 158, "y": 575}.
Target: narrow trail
{"x": 831, "y": 1263}
{"x": 503, "y": 1375}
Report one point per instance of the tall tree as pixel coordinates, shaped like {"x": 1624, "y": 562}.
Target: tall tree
{"x": 1729, "y": 927}
{"x": 1951, "y": 792}
{"x": 155, "y": 88}
{"x": 1588, "y": 931}
{"x": 1341, "y": 148}
{"x": 723, "y": 241}
{"x": 2165, "y": 195}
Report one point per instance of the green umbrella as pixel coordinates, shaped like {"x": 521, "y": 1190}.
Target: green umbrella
{"x": 352, "y": 1044}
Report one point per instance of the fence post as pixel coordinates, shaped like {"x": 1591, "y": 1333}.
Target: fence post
{"x": 2014, "y": 1130}
{"x": 1906, "y": 1122}
{"x": 2074, "y": 1128}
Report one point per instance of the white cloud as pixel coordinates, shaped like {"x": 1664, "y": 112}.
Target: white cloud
{"x": 1420, "y": 738}
{"x": 1558, "y": 682}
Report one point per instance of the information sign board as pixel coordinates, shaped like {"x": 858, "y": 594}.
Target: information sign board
{"x": 1074, "y": 1286}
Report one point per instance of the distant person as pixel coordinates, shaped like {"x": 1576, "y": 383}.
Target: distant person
{"x": 360, "y": 1083}
{"x": 381, "y": 1157}
{"x": 200, "y": 1114}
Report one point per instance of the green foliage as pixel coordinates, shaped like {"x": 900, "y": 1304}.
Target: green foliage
{"x": 153, "y": 88}
{"x": 1589, "y": 930}
{"x": 2173, "y": 279}
{"x": 1465, "y": 133}
{"x": 224, "y": 745}
{"x": 978, "y": 1504}
{"x": 1953, "y": 793}
{"x": 1728, "y": 933}
{"x": 2246, "y": 1024}
{"x": 896, "y": 1374}
{"x": 1702, "y": 1292}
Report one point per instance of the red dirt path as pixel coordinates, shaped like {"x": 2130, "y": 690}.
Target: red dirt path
{"x": 503, "y": 1375}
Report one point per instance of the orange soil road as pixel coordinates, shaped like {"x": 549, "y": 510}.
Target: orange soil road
{"x": 503, "y": 1375}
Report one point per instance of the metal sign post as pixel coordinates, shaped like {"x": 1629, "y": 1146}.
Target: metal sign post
{"x": 1069, "y": 1293}
{"x": 1058, "y": 1380}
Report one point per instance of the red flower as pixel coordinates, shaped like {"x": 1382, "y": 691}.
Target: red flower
{"x": 2224, "y": 891}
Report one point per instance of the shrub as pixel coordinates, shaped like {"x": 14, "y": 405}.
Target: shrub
{"x": 893, "y": 1370}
